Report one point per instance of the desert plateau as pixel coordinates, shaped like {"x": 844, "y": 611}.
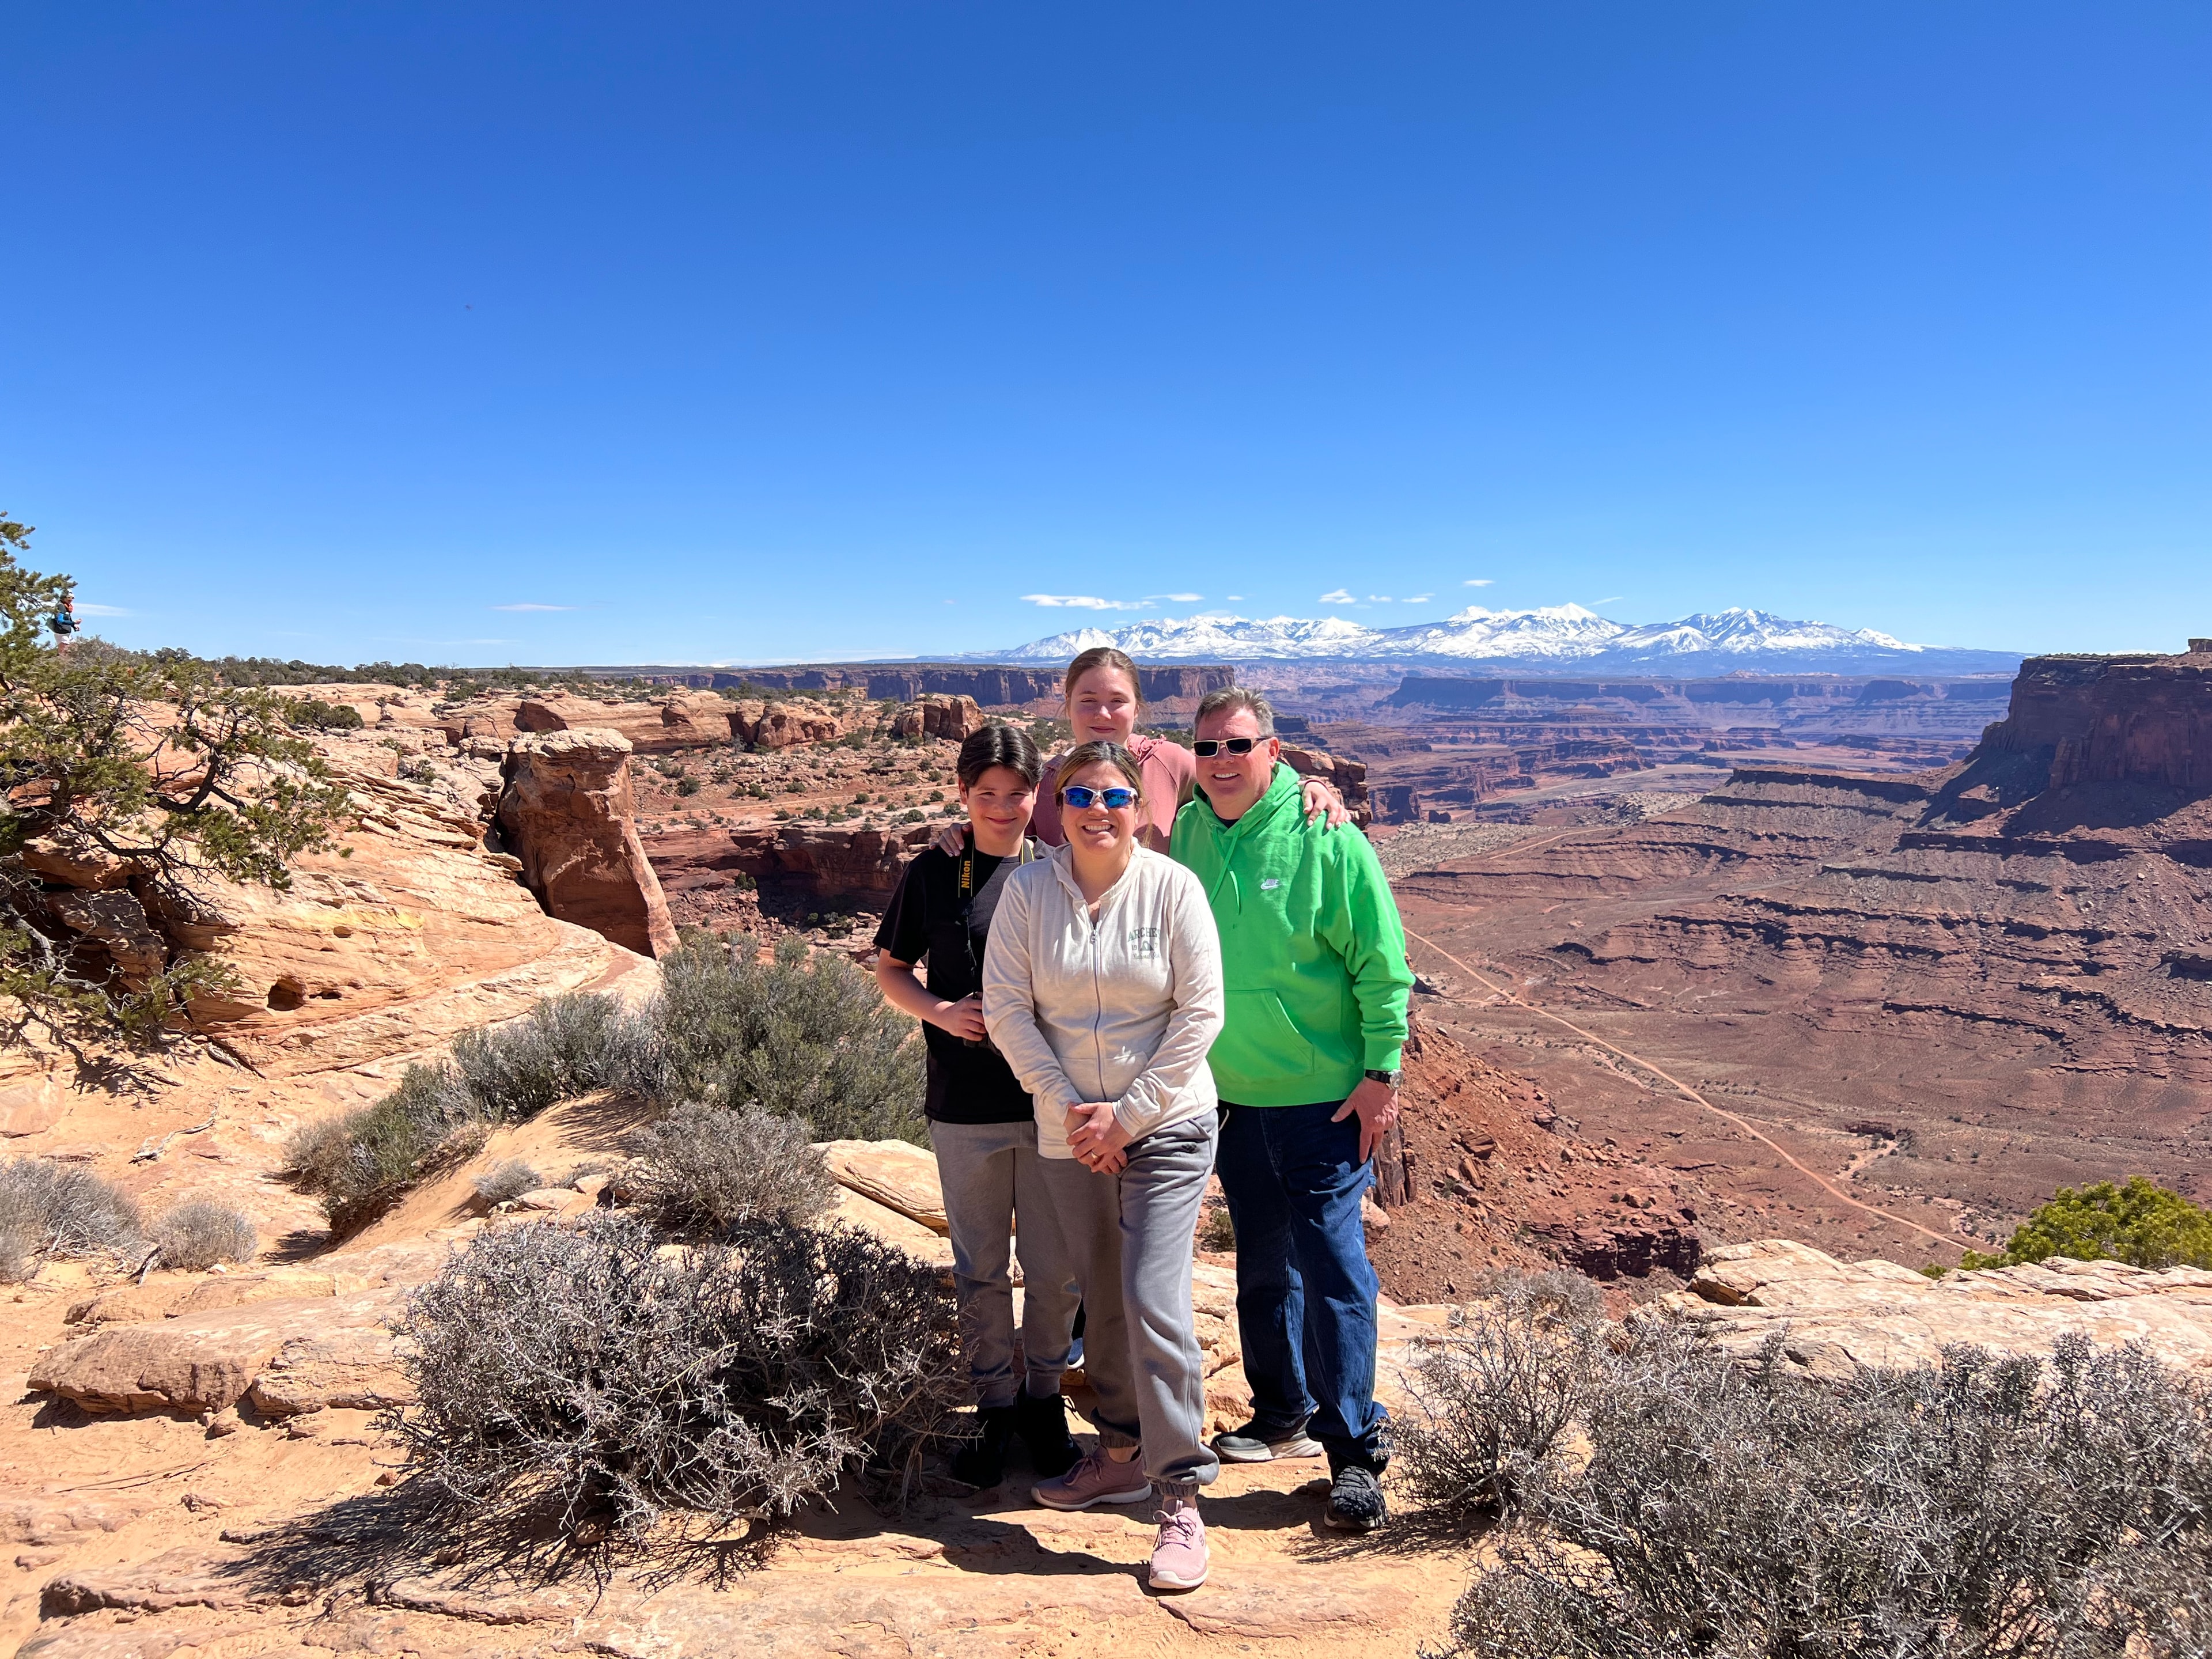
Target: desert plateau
{"x": 1737, "y": 1025}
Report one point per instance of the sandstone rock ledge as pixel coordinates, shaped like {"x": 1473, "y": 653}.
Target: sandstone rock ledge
{"x": 1836, "y": 1316}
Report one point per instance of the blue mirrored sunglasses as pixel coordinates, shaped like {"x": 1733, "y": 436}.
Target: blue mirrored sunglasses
{"x": 1112, "y": 800}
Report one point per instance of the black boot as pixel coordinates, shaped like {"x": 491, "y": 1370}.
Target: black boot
{"x": 1042, "y": 1425}
{"x": 982, "y": 1461}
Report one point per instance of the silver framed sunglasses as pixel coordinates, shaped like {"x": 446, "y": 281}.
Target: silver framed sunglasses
{"x": 1112, "y": 800}
{"x": 1207, "y": 747}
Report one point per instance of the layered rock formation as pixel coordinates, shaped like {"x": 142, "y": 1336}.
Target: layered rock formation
{"x": 834, "y": 865}
{"x": 992, "y": 687}
{"x": 1998, "y": 963}
{"x": 407, "y": 931}
{"x": 568, "y": 813}
{"x": 1349, "y": 777}
{"x": 684, "y": 721}
{"x": 2111, "y": 719}
{"x": 953, "y": 718}
{"x": 1488, "y": 1176}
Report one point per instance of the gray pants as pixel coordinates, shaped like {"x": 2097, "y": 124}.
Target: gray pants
{"x": 991, "y": 1174}
{"x": 1131, "y": 1238}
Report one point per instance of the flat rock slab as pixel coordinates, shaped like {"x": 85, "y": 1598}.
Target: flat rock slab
{"x": 891, "y": 1226}
{"x": 168, "y": 1298}
{"x": 1839, "y": 1316}
{"x": 346, "y": 1368}
{"x": 186, "y": 1578}
{"x": 203, "y": 1361}
{"x": 66, "y": 1517}
{"x": 896, "y": 1174}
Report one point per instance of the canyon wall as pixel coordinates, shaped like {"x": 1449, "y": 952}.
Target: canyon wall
{"x": 2002, "y": 963}
{"x": 993, "y": 686}
{"x": 2110, "y": 719}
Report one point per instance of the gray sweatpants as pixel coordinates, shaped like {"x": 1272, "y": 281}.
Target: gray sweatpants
{"x": 993, "y": 1179}
{"x": 1131, "y": 1238}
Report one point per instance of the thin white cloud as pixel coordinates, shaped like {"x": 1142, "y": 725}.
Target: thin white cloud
{"x": 1379, "y": 598}
{"x": 1615, "y": 599}
{"x": 1234, "y": 599}
{"x": 1181, "y": 598}
{"x": 1079, "y": 602}
{"x": 527, "y": 606}
{"x": 1340, "y": 597}
{"x": 1418, "y": 598}
{"x": 410, "y": 639}
{"x": 1478, "y": 582}
{"x": 104, "y": 611}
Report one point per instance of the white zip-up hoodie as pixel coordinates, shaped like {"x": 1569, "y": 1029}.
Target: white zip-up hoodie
{"x": 1123, "y": 1009}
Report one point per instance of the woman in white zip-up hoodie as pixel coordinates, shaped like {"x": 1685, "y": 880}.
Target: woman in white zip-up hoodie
{"x": 1101, "y": 987}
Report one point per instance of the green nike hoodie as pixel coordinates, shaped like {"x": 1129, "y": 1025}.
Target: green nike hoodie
{"x": 1313, "y": 955}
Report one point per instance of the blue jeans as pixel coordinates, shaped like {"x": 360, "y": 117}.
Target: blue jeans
{"x": 1305, "y": 1290}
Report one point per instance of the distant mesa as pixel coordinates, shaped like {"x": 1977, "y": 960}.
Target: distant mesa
{"x": 993, "y": 687}
{"x": 1546, "y": 640}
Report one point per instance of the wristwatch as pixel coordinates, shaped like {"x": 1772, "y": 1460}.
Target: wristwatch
{"x": 1388, "y": 1079}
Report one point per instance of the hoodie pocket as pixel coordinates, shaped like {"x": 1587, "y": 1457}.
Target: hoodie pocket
{"x": 1258, "y": 1043}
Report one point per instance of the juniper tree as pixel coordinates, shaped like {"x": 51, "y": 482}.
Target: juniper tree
{"x": 148, "y": 763}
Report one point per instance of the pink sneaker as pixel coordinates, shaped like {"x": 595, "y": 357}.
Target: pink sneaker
{"x": 1097, "y": 1479}
{"x": 1179, "y": 1553}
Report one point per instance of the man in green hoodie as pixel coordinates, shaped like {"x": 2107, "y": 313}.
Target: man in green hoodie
{"x": 1314, "y": 964}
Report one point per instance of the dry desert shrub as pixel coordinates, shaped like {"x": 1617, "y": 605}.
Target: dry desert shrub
{"x": 196, "y": 1234}
{"x": 801, "y": 1037}
{"x": 510, "y": 1178}
{"x": 703, "y": 1171}
{"x": 1985, "y": 1508}
{"x": 49, "y": 1209}
{"x": 361, "y": 1163}
{"x": 592, "y": 1382}
{"x": 1495, "y": 1404}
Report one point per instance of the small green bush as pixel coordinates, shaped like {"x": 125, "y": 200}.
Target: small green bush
{"x": 314, "y": 714}
{"x": 196, "y": 1234}
{"x": 803, "y": 1035}
{"x": 1216, "y": 1231}
{"x": 363, "y": 1162}
{"x": 2143, "y": 1225}
{"x": 700, "y": 1170}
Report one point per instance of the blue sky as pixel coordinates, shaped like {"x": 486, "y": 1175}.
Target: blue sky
{"x": 759, "y": 332}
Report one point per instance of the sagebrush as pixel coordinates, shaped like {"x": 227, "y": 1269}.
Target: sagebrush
{"x": 507, "y": 1179}
{"x": 1495, "y": 1406}
{"x": 199, "y": 1232}
{"x": 1985, "y": 1508}
{"x": 361, "y": 1162}
{"x": 804, "y": 1035}
{"x": 49, "y": 1209}
{"x": 801, "y": 1037}
{"x": 590, "y": 1383}
{"x": 702, "y": 1170}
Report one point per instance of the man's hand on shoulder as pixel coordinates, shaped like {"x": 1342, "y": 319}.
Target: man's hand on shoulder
{"x": 1376, "y": 1104}
{"x": 952, "y": 841}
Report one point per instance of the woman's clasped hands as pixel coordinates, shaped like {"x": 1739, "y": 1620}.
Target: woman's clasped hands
{"x": 1096, "y": 1138}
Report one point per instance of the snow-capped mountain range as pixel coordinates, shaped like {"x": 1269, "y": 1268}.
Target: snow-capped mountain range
{"x": 1548, "y": 640}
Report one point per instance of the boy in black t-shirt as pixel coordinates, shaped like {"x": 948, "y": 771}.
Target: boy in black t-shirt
{"x": 980, "y": 1121}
